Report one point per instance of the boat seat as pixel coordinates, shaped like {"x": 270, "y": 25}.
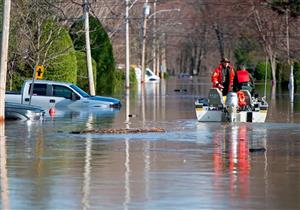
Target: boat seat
{"x": 248, "y": 97}
{"x": 215, "y": 98}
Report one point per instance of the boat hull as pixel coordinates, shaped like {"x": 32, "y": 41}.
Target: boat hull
{"x": 205, "y": 115}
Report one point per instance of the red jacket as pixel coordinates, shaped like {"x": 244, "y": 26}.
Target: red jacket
{"x": 217, "y": 76}
{"x": 242, "y": 76}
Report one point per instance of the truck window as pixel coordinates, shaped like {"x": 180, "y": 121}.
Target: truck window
{"x": 80, "y": 91}
{"x": 62, "y": 91}
{"x": 38, "y": 89}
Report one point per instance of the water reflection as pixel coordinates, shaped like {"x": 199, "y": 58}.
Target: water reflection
{"x": 292, "y": 112}
{"x": 127, "y": 155}
{"x": 232, "y": 144}
{"x": 191, "y": 166}
{"x": 152, "y": 90}
{"x": 87, "y": 167}
{"x": 292, "y": 96}
{"x": 127, "y": 175}
{"x": 150, "y": 104}
{"x": 147, "y": 169}
{"x": 163, "y": 91}
{"x": 3, "y": 168}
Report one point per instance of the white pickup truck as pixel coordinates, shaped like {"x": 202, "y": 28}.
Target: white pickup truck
{"x": 48, "y": 94}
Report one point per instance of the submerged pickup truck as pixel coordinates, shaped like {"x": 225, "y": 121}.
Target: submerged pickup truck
{"x": 48, "y": 94}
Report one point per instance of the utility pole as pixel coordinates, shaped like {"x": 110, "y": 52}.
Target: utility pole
{"x": 146, "y": 17}
{"x": 88, "y": 47}
{"x": 127, "y": 45}
{"x": 146, "y": 14}
{"x": 154, "y": 50}
{"x": 4, "y": 56}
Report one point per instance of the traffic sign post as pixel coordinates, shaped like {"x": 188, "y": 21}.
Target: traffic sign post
{"x": 39, "y": 72}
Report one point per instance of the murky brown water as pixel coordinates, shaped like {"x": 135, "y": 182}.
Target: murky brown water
{"x": 191, "y": 166}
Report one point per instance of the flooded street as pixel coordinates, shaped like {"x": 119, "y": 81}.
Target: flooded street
{"x": 190, "y": 166}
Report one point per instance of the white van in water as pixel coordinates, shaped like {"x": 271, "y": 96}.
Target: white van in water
{"x": 149, "y": 75}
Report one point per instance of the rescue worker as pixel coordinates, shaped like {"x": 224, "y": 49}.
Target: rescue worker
{"x": 222, "y": 77}
{"x": 243, "y": 80}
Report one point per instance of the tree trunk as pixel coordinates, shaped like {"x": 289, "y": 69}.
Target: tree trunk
{"x": 200, "y": 56}
{"x": 273, "y": 68}
{"x": 274, "y": 81}
{"x": 194, "y": 58}
{"x": 220, "y": 38}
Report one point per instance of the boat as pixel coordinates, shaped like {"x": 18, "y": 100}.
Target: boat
{"x": 235, "y": 107}
{"x": 16, "y": 111}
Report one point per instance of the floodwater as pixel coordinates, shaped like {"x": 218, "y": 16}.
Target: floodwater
{"x": 190, "y": 166}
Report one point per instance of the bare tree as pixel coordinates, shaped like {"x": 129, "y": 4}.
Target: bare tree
{"x": 30, "y": 42}
{"x": 267, "y": 26}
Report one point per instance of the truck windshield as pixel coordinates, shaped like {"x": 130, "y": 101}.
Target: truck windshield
{"x": 80, "y": 91}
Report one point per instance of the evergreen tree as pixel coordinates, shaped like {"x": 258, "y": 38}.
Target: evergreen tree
{"x": 102, "y": 53}
{"x": 60, "y": 59}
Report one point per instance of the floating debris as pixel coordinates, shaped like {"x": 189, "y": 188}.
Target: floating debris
{"x": 257, "y": 150}
{"x": 132, "y": 115}
{"x": 180, "y": 90}
{"x": 75, "y": 132}
{"x": 120, "y": 131}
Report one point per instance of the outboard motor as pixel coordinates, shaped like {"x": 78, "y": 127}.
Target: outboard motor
{"x": 231, "y": 106}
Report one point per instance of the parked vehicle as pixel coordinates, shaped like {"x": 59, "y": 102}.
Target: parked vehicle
{"x": 48, "y": 94}
{"x": 14, "y": 111}
{"x": 184, "y": 75}
{"x": 149, "y": 75}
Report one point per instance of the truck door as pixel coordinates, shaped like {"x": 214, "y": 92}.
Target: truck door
{"x": 64, "y": 97}
{"x": 39, "y": 96}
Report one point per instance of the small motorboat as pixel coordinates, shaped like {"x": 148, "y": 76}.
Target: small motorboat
{"x": 15, "y": 111}
{"x": 235, "y": 107}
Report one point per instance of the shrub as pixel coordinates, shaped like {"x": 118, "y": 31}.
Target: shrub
{"x": 260, "y": 69}
{"x": 297, "y": 73}
{"x": 102, "y": 53}
{"x": 121, "y": 80}
{"x": 62, "y": 64}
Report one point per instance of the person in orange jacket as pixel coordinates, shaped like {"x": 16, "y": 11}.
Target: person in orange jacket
{"x": 222, "y": 77}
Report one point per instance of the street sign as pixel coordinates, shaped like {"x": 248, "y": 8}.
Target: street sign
{"x": 39, "y": 72}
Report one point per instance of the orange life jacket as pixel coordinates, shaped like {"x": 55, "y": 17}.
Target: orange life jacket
{"x": 241, "y": 99}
